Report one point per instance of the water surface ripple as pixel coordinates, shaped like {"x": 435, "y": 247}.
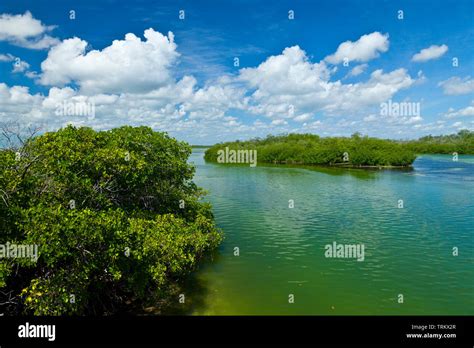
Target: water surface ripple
{"x": 408, "y": 250}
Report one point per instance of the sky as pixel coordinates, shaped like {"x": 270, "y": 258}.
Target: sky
{"x": 209, "y": 71}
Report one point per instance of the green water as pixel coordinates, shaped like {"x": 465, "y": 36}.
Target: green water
{"x": 408, "y": 250}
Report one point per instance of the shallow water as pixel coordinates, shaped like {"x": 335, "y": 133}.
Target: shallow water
{"x": 407, "y": 251}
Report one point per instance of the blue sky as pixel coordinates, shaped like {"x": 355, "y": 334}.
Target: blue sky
{"x": 291, "y": 75}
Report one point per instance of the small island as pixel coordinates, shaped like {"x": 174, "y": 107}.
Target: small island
{"x": 355, "y": 151}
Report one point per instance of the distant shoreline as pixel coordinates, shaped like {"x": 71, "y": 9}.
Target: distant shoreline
{"x": 315, "y": 166}
{"x": 357, "y": 151}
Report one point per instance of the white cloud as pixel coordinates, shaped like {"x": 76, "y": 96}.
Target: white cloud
{"x": 179, "y": 106}
{"x": 463, "y": 112}
{"x": 370, "y": 118}
{"x": 385, "y": 120}
{"x": 303, "y": 117}
{"x": 412, "y": 120}
{"x": 41, "y": 43}
{"x": 368, "y": 47}
{"x": 380, "y": 87}
{"x": 16, "y": 94}
{"x": 439, "y": 125}
{"x": 213, "y": 102}
{"x": 279, "y": 122}
{"x": 357, "y": 70}
{"x": 131, "y": 82}
{"x": 313, "y": 125}
{"x": 432, "y": 52}
{"x": 25, "y": 31}
{"x": 20, "y": 66}
{"x": 31, "y": 74}
{"x": 155, "y": 98}
{"x": 289, "y": 72}
{"x": 457, "y": 86}
{"x": 289, "y": 86}
{"x": 17, "y": 104}
{"x": 129, "y": 65}
{"x": 6, "y": 57}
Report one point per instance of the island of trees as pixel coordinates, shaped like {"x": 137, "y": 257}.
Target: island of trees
{"x": 114, "y": 214}
{"x": 354, "y": 151}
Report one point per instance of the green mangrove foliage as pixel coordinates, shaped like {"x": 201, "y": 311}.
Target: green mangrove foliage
{"x": 357, "y": 150}
{"x": 114, "y": 214}
{"x": 311, "y": 149}
{"x": 462, "y": 143}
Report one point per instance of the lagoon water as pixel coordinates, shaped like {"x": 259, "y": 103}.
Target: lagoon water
{"x": 408, "y": 251}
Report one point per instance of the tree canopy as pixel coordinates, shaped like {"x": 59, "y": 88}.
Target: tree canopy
{"x": 115, "y": 215}
{"x": 312, "y": 149}
{"x": 355, "y": 151}
{"x": 461, "y": 142}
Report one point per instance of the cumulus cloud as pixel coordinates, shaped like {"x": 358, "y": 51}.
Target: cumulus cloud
{"x": 380, "y": 87}
{"x": 357, "y": 70}
{"x": 213, "y": 102}
{"x": 458, "y": 125}
{"x": 180, "y": 106}
{"x": 20, "y": 66}
{"x": 432, "y": 52}
{"x": 289, "y": 86}
{"x": 456, "y": 86}
{"x": 368, "y": 47}
{"x": 16, "y": 95}
{"x": 131, "y": 81}
{"x": 370, "y": 118}
{"x": 6, "y": 57}
{"x": 128, "y": 82}
{"x": 303, "y": 117}
{"x": 279, "y": 122}
{"x": 25, "y": 31}
{"x": 129, "y": 65}
{"x": 463, "y": 112}
{"x": 412, "y": 120}
{"x": 41, "y": 43}
{"x": 17, "y": 104}
{"x": 289, "y": 72}
{"x": 281, "y": 79}
{"x": 394, "y": 120}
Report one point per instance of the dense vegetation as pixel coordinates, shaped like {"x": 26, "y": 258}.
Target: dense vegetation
{"x": 115, "y": 215}
{"x": 313, "y": 150}
{"x": 462, "y": 143}
{"x": 310, "y": 149}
